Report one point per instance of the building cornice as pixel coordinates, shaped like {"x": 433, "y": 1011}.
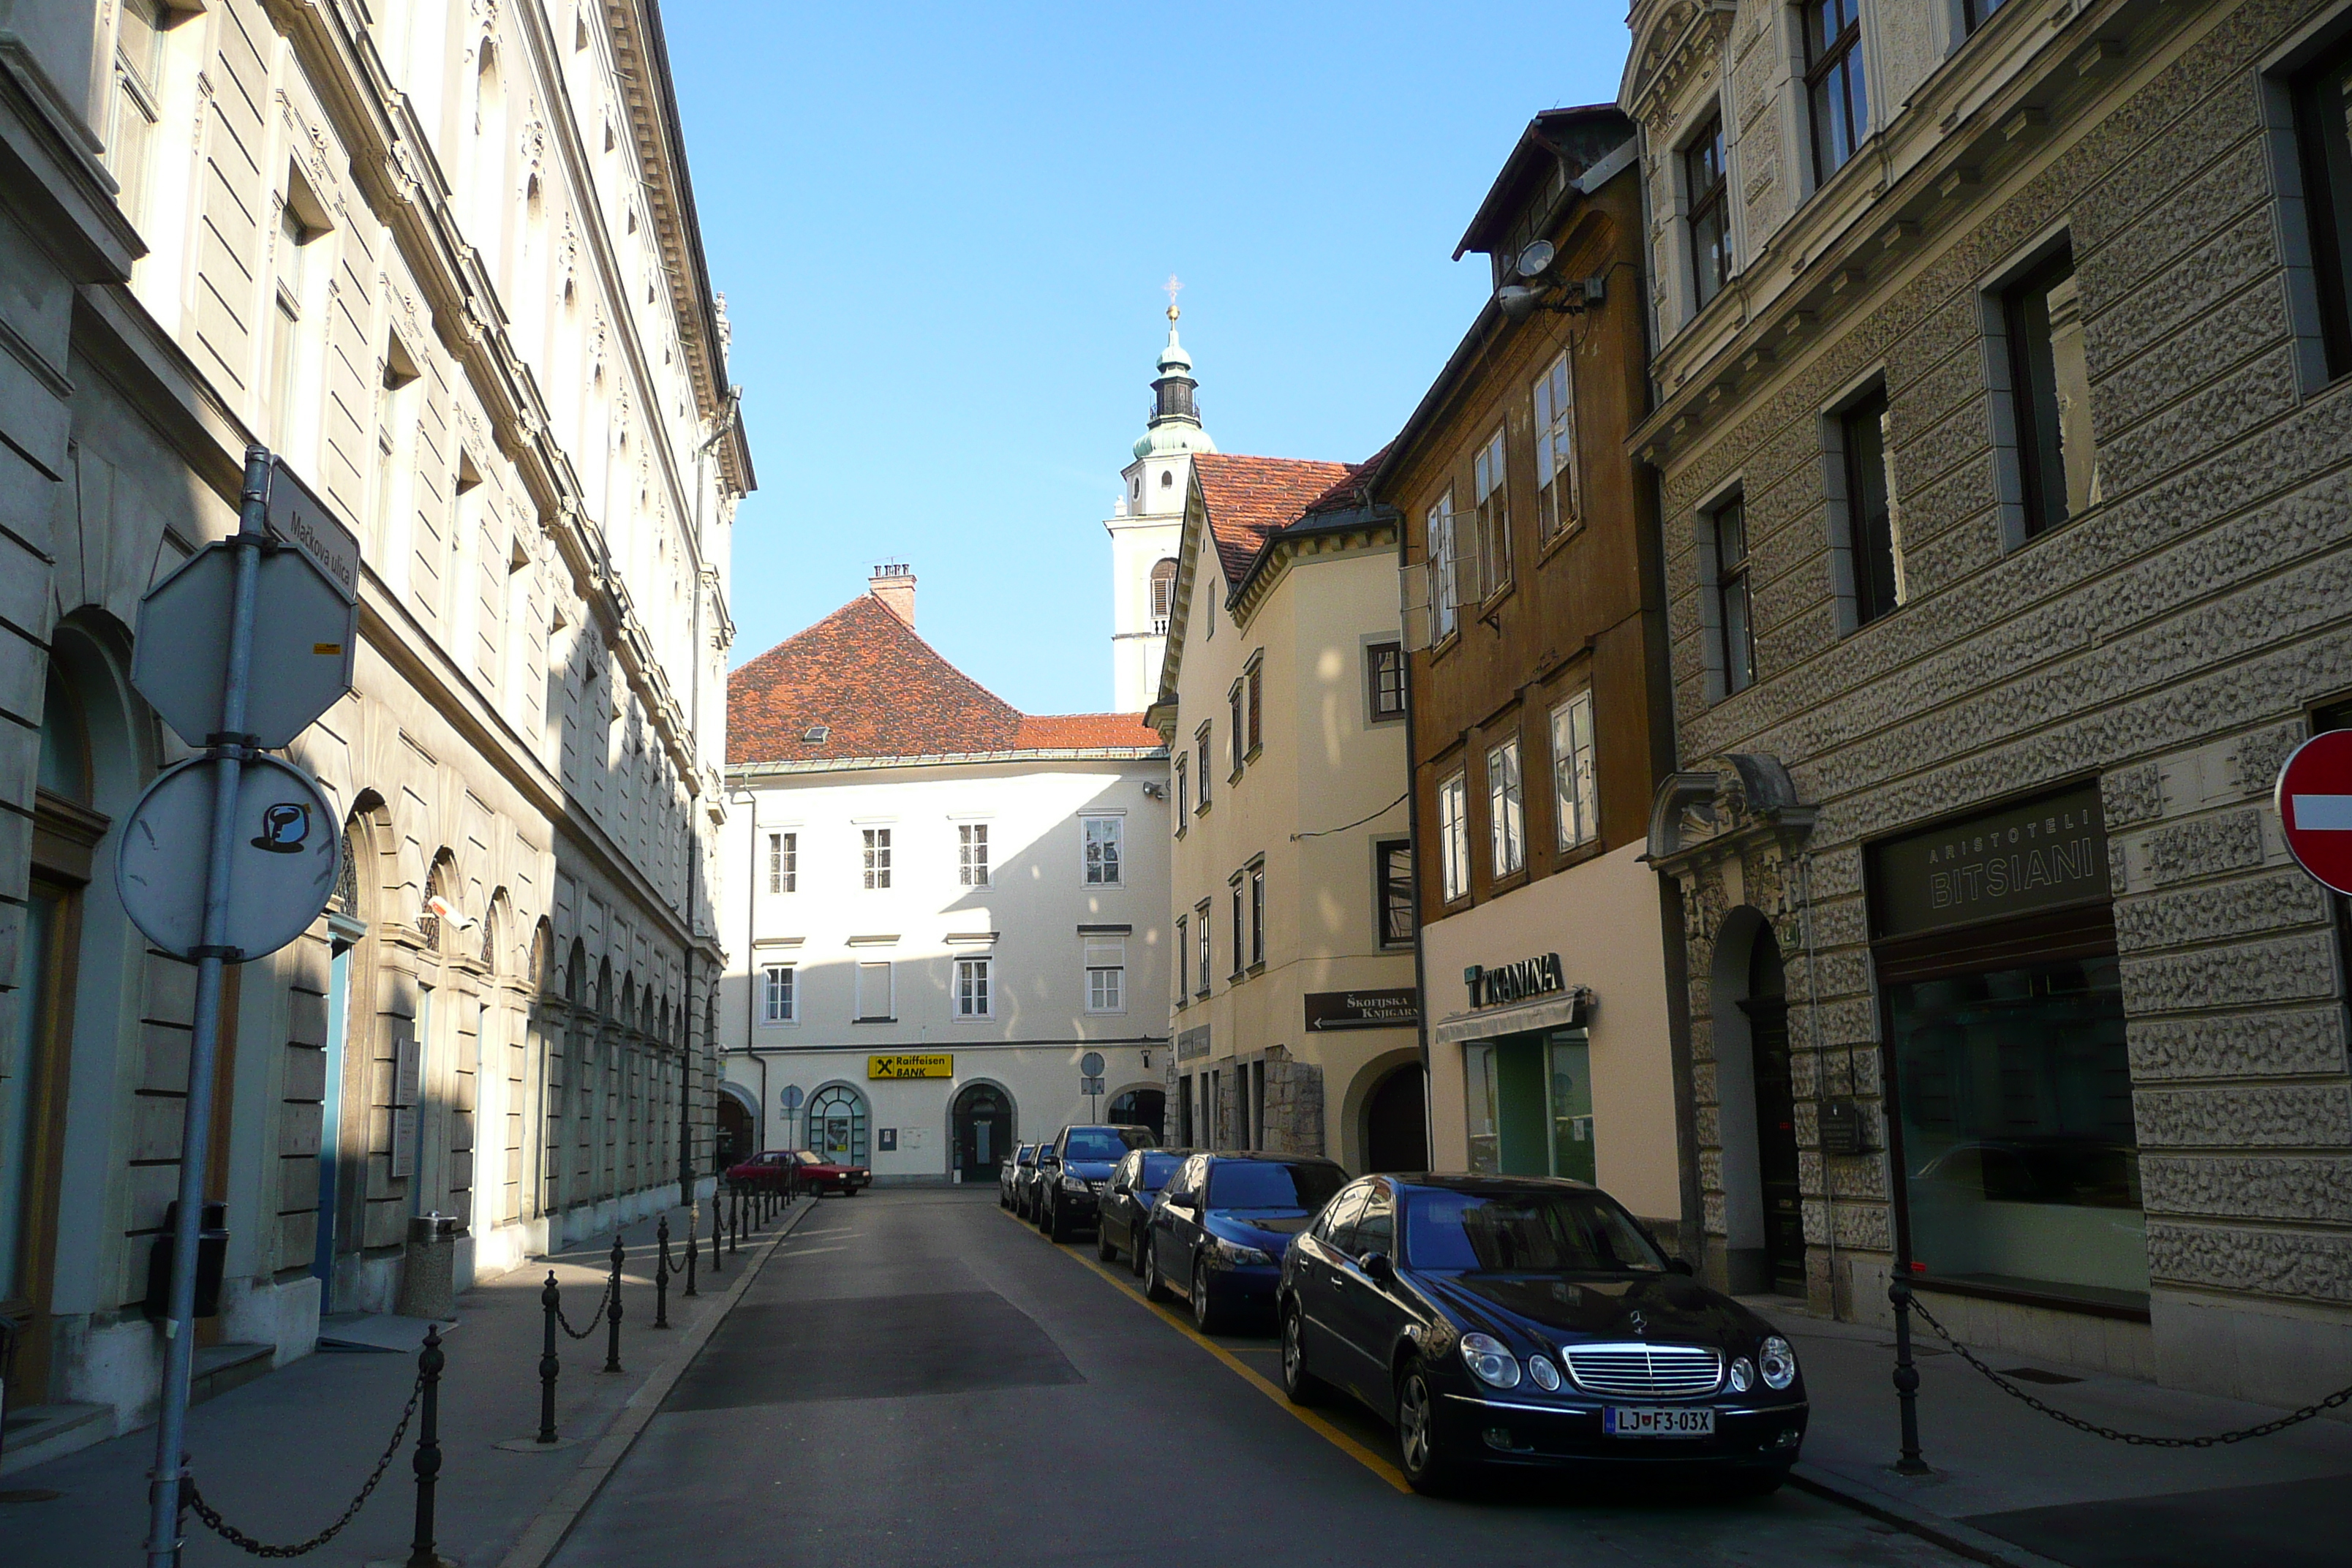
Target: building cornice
{"x": 740, "y": 773}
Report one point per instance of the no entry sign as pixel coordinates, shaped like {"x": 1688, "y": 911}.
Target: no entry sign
{"x": 2315, "y": 802}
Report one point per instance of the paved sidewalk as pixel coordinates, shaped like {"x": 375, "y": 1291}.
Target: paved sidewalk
{"x": 280, "y": 1457}
{"x": 2011, "y": 1485}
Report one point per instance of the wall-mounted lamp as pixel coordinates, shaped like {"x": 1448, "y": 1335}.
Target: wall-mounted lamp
{"x": 1155, "y": 792}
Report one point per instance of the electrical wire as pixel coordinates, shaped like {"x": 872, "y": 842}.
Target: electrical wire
{"x": 1327, "y": 832}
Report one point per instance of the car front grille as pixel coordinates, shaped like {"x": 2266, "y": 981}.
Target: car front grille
{"x": 1645, "y": 1371}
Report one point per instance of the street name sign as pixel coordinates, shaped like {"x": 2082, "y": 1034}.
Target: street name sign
{"x": 2315, "y": 807}
{"x": 285, "y": 857}
{"x": 298, "y": 518}
{"x": 305, "y": 639}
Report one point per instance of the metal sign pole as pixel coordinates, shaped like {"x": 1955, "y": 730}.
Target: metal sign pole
{"x": 228, "y": 746}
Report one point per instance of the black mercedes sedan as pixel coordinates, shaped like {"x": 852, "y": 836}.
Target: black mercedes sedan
{"x": 1073, "y": 1169}
{"x": 1502, "y": 1321}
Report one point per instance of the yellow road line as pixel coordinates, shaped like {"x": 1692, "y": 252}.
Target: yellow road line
{"x": 1376, "y": 1463}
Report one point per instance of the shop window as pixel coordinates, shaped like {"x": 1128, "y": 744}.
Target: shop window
{"x": 1528, "y": 1099}
{"x": 1453, "y": 838}
{"x": 836, "y": 1125}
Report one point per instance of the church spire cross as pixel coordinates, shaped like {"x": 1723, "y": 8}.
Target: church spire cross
{"x": 1173, "y": 286}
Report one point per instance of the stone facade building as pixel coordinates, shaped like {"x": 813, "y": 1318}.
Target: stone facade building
{"x": 447, "y": 263}
{"x": 2001, "y": 430}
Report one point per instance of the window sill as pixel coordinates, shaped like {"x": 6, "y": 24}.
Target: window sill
{"x": 874, "y": 1020}
{"x": 1257, "y": 967}
{"x": 974, "y": 1018}
{"x": 1509, "y": 881}
{"x": 1552, "y": 547}
{"x": 1494, "y": 601}
{"x": 1251, "y": 755}
{"x": 1396, "y": 718}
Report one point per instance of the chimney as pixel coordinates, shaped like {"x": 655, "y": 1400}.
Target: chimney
{"x": 894, "y": 586}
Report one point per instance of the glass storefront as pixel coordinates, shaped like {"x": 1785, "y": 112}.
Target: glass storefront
{"x": 2019, "y": 1157}
{"x": 1529, "y": 1104}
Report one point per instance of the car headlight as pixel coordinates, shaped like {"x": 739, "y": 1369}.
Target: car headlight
{"x": 1234, "y": 1255}
{"x": 1743, "y": 1375}
{"x": 1072, "y": 1183}
{"x": 1546, "y": 1375}
{"x": 1489, "y": 1362}
{"x": 1777, "y": 1362}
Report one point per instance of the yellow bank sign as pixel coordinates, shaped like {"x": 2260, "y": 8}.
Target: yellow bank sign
{"x": 910, "y": 1067}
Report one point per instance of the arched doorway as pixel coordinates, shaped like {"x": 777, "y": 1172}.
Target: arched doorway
{"x": 735, "y": 1133}
{"x": 1767, "y": 1009}
{"x": 836, "y": 1124}
{"x": 982, "y": 1129}
{"x": 1141, "y": 1107}
{"x": 1396, "y": 1124}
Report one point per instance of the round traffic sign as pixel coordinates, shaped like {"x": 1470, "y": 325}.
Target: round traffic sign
{"x": 789, "y": 1097}
{"x": 2315, "y": 804}
{"x": 283, "y": 860}
{"x": 1091, "y": 1063}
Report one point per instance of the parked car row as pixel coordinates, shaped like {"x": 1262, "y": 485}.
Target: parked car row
{"x": 794, "y": 1171}
{"x": 1495, "y": 1322}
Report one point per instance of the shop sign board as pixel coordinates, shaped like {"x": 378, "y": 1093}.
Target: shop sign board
{"x": 1192, "y": 1043}
{"x": 1540, "y": 976}
{"x": 2044, "y": 855}
{"x": 1399, "y": 1007}
{"x": 2314, "y": 807}
{"x": 910, "y": 1066}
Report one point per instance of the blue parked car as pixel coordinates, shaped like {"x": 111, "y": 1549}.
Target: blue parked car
{"x": 1073, "y": 1169}
{"x": 1217, "y": 1235}
{"x": 1125, "y": 1206}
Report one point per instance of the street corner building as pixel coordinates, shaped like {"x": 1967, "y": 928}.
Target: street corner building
{"x": 938, "y": 908}
{"x": 1535, "y": 633}
{"x": 2001, "y": 438}
{"x": 449, "y": 271}
{"x": 1282, "y": 696}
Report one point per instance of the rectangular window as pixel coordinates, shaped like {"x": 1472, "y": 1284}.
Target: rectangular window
{"x": 783, "y": 862}
{"x": 1556, "y": 494}
{"x": 1493, "y": 484}
{"x": 136, "y": 109}
{"x": 1870, "y": 524}
{"x": 1106, "y": 972}
{"x": 1238, "y": 728}
{"x": 2323, "y": 131}
{"x": 1711, "y": 213}
{"x": 1974, "y": 14}
{"x": 1205, "y": 753}
{"x": 1238, "y": 928}
{"x": 1255, "y": 678}
{"x": 2050, "y": 388}
{"x": 1576, "y": 803}
{"x": 877, "y": 857}
{"x": 1183, "y": 795}
{"x": 1444, "y": 601}
{"x": 971, "y": 854}
{"x": 1393, "y": 857}
{"x": 1734, "y": 617}
{"x": 1453, "y": 838}
{"x": 875, "y": 1002}
{"x": 1102, "y": 850}
{"x": 1201, "y": 926}
{"x": 1839, "y": 99}
{"x": 1258, "y": 914}
{"x": 971, "y": 988}
{"x": 1384, "y": 674}
{"x": 1183, "y": 954}
{"x": 1505, "y": 808}
{"x": 776, "y": 993}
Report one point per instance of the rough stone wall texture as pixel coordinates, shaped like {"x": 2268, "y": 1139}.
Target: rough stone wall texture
{"x": 2169, "y": 642}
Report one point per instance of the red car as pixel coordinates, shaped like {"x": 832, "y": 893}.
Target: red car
{"x": 799, "y": 1171}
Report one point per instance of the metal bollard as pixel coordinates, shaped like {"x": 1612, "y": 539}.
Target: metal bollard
{"x": 428, "y": 1450}
{"x": 735, "y": 1224}
{"x": 550, "y": 1301}
{"x": 693, "y": 1246}
{"x": 613, "y": 1311}
{"x": 717, "y": 1223}
{"x": 661, "y": 1274}
{"x": 1907, "y": 1382}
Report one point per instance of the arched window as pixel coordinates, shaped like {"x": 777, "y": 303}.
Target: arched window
{"x": 836, "y": 1124}
{"x": 1163, "y": 593}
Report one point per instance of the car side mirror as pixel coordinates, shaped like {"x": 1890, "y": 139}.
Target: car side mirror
{"x": 1378, "y": 1265}
{"x": 1680, "y": 1266}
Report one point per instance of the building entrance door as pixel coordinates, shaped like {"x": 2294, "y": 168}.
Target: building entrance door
{"x": 1776, "y": 1116}
{"x": 983, "y": 1132}
{"x": 1396, "y": 1133}
{"x": 836, "y": 1125}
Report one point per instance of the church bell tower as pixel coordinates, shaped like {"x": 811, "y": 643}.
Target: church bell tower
{"x": 1148, "y": 525}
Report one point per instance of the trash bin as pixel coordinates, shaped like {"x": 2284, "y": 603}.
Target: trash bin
{"x": 428, "y": 1285}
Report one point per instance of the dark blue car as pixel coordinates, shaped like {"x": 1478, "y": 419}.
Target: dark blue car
{"x": 1073, "y": 1169}
{"x": 1221, "y": 1225}
{"x": 1126, "y": 1208}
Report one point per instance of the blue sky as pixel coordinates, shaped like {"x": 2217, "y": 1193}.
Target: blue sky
{"x": 941, "y": 231}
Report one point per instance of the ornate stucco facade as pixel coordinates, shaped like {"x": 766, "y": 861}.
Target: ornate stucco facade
{"x": 2125, "y": 671}
{"x": 451, "y": 270}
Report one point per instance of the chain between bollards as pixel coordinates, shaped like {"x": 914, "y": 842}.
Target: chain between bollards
{"x": 1907, "y": 1382}
{"x": 661, "y": 1273}
{"x": 613, "y": 1307}
{"x": 428, "y": 1448}
{"x": 551, "y": 1301}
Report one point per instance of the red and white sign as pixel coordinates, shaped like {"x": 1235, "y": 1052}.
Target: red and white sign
{"x": 2315, "y": 802}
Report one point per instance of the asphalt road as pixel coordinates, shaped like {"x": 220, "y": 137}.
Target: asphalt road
{"x": 915, "y": 1379}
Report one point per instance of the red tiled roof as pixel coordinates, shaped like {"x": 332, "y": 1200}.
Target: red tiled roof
{"x": 1352, "y": 488}
{"x": 879, "y": 691}
{"x": 1251, "y": 499}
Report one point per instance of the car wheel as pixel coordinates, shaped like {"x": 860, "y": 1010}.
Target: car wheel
{"x": 1136, "y": 1242}
{"x": 1303, "y": 1386}
{"x": 1426, "y": 1468}
{"x": 1050, "y": 1220}
{"x": 1155, "y": 1289}
{"x": 1105, "y": 1248}
{"x": 1207, "y": 1316}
